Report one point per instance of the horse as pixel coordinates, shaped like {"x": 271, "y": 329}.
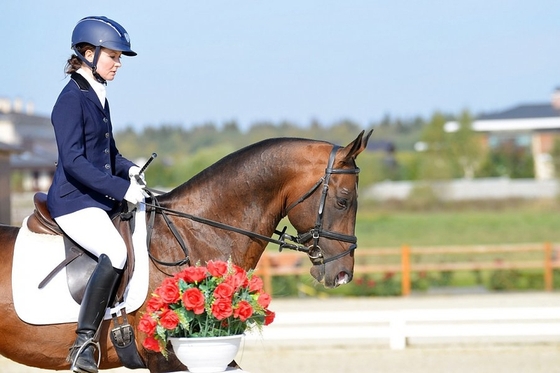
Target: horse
{"x": 229, "y": 210}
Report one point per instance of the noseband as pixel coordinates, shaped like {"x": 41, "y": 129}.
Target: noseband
{"x": 314, "y": 251}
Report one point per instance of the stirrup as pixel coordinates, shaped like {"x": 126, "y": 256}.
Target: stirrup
{"x": 86, "y": 344}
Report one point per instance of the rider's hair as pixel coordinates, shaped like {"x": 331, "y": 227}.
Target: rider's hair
{"x": 74, "y": 62}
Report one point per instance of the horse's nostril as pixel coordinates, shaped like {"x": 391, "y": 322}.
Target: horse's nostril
{"x": 342, "y": 278}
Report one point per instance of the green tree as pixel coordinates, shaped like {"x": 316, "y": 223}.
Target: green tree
{"x": 465, "y": 148}
{"x": 434, "y": 164}
{"x": 509, "y": 160}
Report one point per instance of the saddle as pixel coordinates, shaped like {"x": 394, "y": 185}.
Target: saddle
{"x": 79, "y": 262}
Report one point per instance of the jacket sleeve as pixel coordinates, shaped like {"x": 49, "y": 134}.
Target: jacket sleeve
{"x": 122, "y": 164}
{"x": 68, "y": 122}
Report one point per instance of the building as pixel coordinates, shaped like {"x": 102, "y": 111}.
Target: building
{"x": 532, "y": 126}
{"x": 5, "y": 186}
{"x": 33, "y": 135}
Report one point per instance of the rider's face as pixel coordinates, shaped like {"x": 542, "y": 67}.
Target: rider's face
{"x": 108, "y": 63}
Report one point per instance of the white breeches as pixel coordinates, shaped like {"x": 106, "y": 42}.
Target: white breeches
{"x": 92, "y": 229}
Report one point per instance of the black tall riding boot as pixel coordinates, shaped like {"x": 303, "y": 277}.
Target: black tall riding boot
{"x": 97, "y": 295}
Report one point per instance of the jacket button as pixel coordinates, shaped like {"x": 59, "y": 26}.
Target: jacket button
{"x": 105, "y": 120}
{"x": 107, "y": 135}
{"x": 106, "y": 151}
{"x": 107, "y": 166}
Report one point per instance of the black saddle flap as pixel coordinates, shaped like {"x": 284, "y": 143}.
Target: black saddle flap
{"x": 78, "y": 270}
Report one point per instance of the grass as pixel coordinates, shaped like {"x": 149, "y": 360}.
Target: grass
{"x": 473, "y": 223}
{"x": 517, "y": 222}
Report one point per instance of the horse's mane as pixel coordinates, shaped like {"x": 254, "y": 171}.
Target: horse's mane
{"x": 231, "y": 164}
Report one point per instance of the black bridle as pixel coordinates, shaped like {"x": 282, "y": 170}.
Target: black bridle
{"x": 314, "y": 252}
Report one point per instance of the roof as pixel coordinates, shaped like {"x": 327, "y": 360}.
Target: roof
{"x": 535, "y": 117}
{"x": 524, "y": 112}
{"x": 381, "y": 145}
{"x": 29, "y": 126}
{"x": 29, "y": 160}
{"x": 9, "y": 148}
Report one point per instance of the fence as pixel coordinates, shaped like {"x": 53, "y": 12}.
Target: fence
{"x": 515, "y": 324}
{"x": 291, "y": 263}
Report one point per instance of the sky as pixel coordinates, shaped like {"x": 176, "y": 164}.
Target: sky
{"x": 293, "y": 60}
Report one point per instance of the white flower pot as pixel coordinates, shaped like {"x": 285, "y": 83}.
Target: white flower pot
{"x": 206, "y": 355}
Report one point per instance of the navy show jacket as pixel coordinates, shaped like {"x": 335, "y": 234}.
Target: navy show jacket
{"x": 90, "y": 170}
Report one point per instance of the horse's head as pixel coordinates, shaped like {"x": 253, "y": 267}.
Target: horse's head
{"x": 325, "y": 215}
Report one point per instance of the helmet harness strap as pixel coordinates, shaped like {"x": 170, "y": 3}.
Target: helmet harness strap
{"x": 93, "y": 64}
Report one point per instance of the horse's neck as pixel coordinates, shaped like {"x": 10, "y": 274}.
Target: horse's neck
{"x": 233, "y": 201}
{"x": 248, "y": 201}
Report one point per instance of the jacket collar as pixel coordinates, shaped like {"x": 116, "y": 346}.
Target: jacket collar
{"x": 81, "y": 81}
{"x": 85, "y": 87}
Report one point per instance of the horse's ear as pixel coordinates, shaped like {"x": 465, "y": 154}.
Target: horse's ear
{"x": 351, "y": 151}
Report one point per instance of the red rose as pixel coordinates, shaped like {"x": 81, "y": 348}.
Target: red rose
{"x": 217, "y": 268}
{"x": 221, "y": 308}
{"x": 237, "y": 280}
{"x": 255, "y": 284}
{"x": 193, "y": 299}
{"x": 243, "y": 310}
{"x": 269, "y": 317}
{"x": 264, "y": 300}
{"x": 151, "y": 344}
{"x": 168, "y": 291}
{"x": 241, "y": 275}
{"x": 169, "y": 319}
{"x": 154, "y": 304}
{"x": 147, "y": 324}
{"x": 224, "y": 290}
{"x": 193, "y": 274}
{"x": 237, "y": 269}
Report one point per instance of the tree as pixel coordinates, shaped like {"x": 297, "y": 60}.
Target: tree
{"x": 435, "y": 164}
{"x": 465, "y": 148}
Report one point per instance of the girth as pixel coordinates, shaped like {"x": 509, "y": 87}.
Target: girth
{"x": 79, "y": 262}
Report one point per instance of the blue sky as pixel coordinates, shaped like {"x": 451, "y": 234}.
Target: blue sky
{"x": 216, "y": 61}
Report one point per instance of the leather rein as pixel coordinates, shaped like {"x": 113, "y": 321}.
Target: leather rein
{"x": 314, "y": 252}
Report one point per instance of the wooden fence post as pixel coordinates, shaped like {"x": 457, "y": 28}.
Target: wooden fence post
{"x": 548, "y": 272}
{"x": 405, "y": 270}
{"x": 265, "y": 273}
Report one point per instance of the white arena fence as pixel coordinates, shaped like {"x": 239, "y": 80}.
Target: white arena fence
{"x": 466, "y": 189}
{"x": 519, "y": 324}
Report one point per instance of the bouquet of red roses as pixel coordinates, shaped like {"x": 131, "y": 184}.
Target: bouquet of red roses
{"x": 219, "y": 299}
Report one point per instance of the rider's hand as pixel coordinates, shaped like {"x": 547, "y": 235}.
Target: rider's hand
{"x": 134, "y": 174}
{"x": 135, "y": 193}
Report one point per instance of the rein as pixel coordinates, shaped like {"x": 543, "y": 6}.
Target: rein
{"x": 166, "y": 212}
{"x": 314, "y": 251}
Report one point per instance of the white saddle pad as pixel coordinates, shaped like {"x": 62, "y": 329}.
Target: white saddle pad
{"x": 36, "y": 255}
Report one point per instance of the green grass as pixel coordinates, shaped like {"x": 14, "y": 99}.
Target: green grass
{"x": 391, "y": 226}
{"x": 483, "y": 223}
{"x": 520, "y": 223}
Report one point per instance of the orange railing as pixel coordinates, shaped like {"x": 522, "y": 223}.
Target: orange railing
{"x": 409, "y": 259}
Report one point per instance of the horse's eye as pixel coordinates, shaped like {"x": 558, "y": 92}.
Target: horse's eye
{"x": 342, "y": 203}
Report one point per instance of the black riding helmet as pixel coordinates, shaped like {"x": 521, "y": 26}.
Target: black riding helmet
{"x": 100, "y": 31}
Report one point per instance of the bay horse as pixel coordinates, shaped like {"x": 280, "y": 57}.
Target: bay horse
{"x": 234, "y": 206}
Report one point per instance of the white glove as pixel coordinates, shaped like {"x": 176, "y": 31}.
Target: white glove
{"x": 135, "y": 193}
{"x": 134, "y": 171}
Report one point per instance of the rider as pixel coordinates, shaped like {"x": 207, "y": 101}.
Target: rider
{"x": 92, "y": 177}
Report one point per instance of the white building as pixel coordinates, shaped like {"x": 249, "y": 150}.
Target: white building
{"x": 534, "y": 126}
{"x": 34, "y": 136}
